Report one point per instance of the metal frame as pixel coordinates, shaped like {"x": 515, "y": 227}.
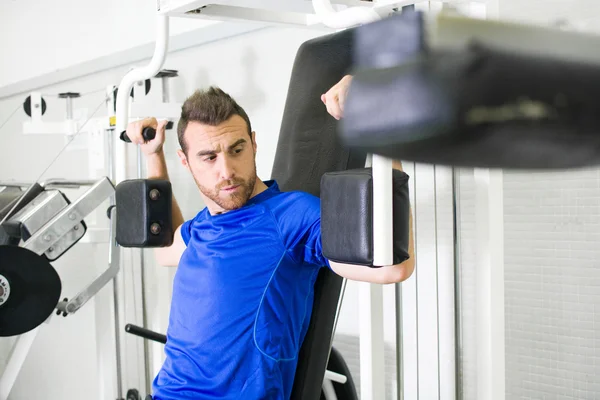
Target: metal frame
{"x": 319, "y": 14}
{"x": 43, "y": 239}
{"x": 69, "y": 217}
{"x": 62, "y": 221}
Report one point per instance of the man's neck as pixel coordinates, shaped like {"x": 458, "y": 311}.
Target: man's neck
{"x": 259, "y": 187}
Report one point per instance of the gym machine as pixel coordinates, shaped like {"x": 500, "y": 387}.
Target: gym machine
{"x": 39, "y": 223}
{"x": 427, "y": 54}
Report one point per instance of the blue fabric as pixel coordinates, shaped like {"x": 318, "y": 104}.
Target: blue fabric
{"x": 242, "y": 299}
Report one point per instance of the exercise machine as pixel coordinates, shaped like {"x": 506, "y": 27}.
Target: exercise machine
{"x": 39, "y": 222}
{"x": 428, "y": 54}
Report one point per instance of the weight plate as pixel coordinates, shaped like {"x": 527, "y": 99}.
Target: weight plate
{"x": 31, "y": 290}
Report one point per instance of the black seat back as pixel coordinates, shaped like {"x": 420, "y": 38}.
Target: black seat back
{"x": 307, "y": 148}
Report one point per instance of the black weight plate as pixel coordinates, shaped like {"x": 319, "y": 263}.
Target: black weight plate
{"x": 33, "y": 288}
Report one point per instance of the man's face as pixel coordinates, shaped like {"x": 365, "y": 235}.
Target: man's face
{"x": 222, "y": 161}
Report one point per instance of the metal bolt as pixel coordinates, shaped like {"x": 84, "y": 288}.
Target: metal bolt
{"x": 76, "y": 227}
{"x": 51, "y": 249}
{"x": 154, "y": 194}
{"x": 47, "y": 238}
{"x": 71, "y": 216}
{"x": 155, "y": 228}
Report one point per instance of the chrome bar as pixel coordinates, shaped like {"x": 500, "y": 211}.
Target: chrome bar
{"x": 56, "y": 183}
{"x": 65, "y": 183}
{"x": 91, "y": 290}
{"x": 147, "y": 371}
{"x": 69, "y": 217}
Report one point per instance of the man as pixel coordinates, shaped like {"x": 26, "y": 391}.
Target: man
{"x": 247, "y": 263}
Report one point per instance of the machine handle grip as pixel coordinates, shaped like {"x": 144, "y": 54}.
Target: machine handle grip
{"x": 148, "y": 134}
{"x": 145, "y": 333}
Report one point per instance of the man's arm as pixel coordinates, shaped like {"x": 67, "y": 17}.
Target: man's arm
{"x": 387, "y": 274}
{"x": 157, "y": 169}
{"x": 334, "y": 100}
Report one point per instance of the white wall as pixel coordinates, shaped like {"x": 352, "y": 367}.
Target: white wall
{"x": 44, "y": 36}
{"x": 552, "y": 280}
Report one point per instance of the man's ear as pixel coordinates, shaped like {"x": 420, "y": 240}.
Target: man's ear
{"x": 254, "y": 146}
{"x": 183, "y": 158}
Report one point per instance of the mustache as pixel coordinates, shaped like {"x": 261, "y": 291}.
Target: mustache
{"x": 231, "y": 182}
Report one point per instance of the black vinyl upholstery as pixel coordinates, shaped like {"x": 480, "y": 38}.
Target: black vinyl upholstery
{"x": 347, "y": 216}
{"x": 477, "y": 105}
{"x": 308, "y": 147}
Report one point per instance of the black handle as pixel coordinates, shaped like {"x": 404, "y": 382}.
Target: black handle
{"x": 145, "y": 333}
{"x": 147, "y": 133}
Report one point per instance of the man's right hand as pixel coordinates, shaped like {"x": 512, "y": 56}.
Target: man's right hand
{"x": 154, "y": 146}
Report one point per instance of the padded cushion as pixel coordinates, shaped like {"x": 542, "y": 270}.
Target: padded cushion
{"x": 142, "y": 204}
{"x": 308, "y": 147}
{"x": 475, "y": 107}
{"x": 347, "y": 216}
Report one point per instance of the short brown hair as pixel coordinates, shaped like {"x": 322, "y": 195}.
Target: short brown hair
{"x": 212, "y": 107}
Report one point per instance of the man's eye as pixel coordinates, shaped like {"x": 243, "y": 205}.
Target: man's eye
{"x": 210, "y": 158}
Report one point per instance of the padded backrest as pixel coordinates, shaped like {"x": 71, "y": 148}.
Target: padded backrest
{"x": 307, "y": 148}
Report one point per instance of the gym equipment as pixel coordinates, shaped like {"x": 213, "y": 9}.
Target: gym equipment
{"x": 144, "y": 216}
{"x": 305, "y": 122}
{"x": 307, "y": 148}
{"x": 347, "y": 216}
{"x": 38, "y": 224}
{"x": 338, "y": 383}
{"x": 317, "y": 14}
{"x": 47, "y": 226}
{"x": 10, "y": 203}
{"x": 29, "y": 290}
{"x": 463, "y": 92}
{"x": 308, "y": 130}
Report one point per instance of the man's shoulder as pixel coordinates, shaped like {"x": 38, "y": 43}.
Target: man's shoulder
{"x": 296, "y": 210}
{"x": 297, "y": 199}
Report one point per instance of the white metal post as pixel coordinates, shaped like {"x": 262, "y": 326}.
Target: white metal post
{"x": 490, "y": 284}
{"x": 140, "y": 74}
{"x": 372, "y": 345}
{"x": 383, "y": 216}
{"x": 372, "y": 362}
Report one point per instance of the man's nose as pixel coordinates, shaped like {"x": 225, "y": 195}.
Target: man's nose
{"x": 227, "y": 170}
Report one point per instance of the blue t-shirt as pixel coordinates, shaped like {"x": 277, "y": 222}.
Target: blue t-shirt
{"x": 242, "y": 299}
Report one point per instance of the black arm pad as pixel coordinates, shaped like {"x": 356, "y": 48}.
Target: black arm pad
{"x": 347, "y": 216}
{"x": 144, "y": 213}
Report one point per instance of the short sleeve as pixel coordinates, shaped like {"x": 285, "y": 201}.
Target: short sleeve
{"x": 313, "y": 247}
{"x": 186, "y": 231}
{"x": 300, "y": 224}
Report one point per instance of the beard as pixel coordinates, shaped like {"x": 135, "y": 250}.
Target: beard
{"x": 231, "y": 201}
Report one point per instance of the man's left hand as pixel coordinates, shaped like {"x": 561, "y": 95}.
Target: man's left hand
{"x": 335, "y": 97}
